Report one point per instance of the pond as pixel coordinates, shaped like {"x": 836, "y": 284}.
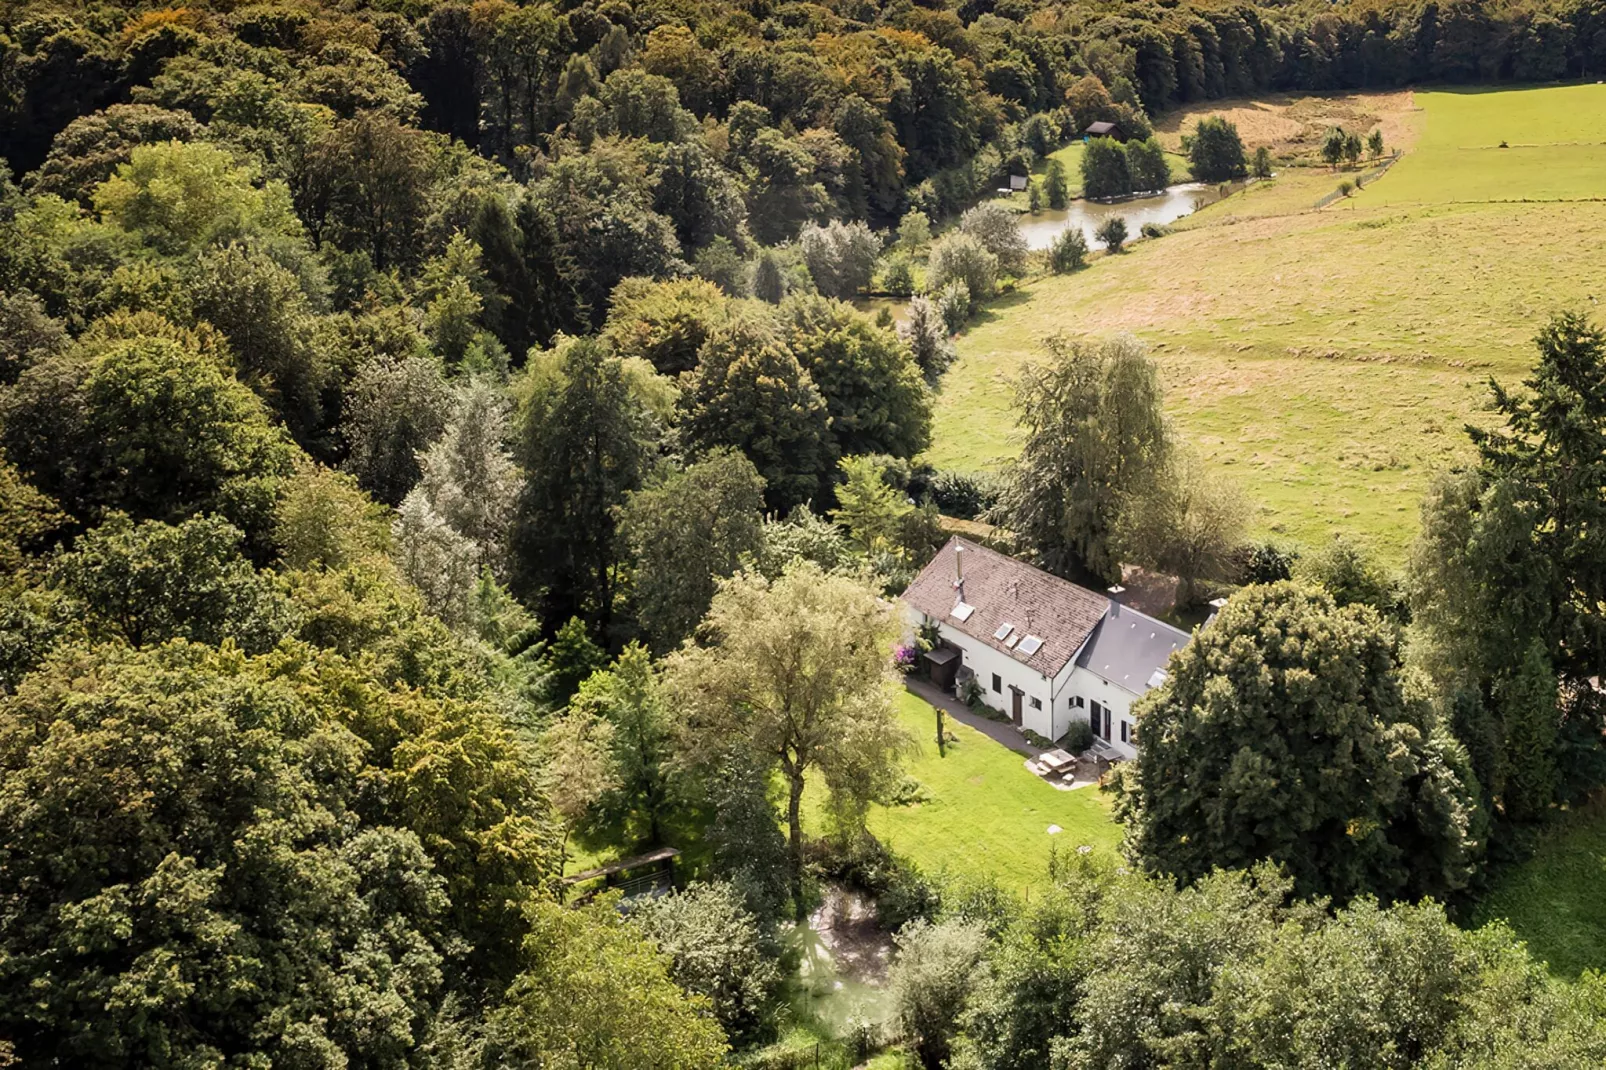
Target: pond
{"x": 845, "y": 955}
{"x": 1160, "y": 209}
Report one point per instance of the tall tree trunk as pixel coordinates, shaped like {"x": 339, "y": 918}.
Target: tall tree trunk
{"x": 794, "y": 821}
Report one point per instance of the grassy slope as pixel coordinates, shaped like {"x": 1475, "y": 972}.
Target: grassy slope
{"x": 1329, "y": 359}
{"x": 1554, "y": 901}
{"x": 987, "y": 816}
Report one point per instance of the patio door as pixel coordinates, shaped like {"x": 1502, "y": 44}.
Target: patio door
{"x": 1100, "y": 717}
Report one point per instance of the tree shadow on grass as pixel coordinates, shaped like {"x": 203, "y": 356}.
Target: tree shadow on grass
{"x": 1553, "y": 901}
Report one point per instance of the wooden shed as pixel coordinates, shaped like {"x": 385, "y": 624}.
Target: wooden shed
{"x": 1102, "y": 129}
{"x": 942, "y": 663}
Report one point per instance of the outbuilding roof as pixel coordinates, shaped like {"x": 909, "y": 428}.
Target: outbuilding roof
{"x": 998, "y": 590}
{"x": 1131, "y": 649}
{"x": 1102, "y": 129}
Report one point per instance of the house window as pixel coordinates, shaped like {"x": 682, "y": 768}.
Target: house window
{"x": 998, "y": 685}
{"x": 1077, "y": 702}
{"x": 1037, "y": 703}
{"x": 1123, "y": 732}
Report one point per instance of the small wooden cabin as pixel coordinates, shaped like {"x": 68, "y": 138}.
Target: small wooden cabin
{"x": 1103, "y": 129}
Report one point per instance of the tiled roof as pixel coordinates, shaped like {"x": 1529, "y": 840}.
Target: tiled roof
{"x": 1003, "y": 591}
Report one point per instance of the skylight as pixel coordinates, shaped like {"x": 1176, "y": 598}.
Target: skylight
{"x": 1012, "y": 640}
{"x": 962, "y": 611}
{"x": 1030, "y": 645}
{"x": 1003, "y": 630}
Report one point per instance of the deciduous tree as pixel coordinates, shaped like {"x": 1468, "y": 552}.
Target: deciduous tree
{"x": 1285, "y": 732}
{"x": 1094, "y": 436}
{"x": 584, "y": 440}
{"x": 1216, "y": 152}
{"x": 796, "y": 675}
{"x": 750, "y": 393}
{"x": 686, "y": 531}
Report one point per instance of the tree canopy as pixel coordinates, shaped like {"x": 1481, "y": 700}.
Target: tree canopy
{"x": 1285, "y": 731}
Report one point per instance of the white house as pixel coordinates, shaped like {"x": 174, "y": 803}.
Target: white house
{"x": 1044, "y": 650}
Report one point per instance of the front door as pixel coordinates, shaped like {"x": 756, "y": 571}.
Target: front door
{"x": 1015, "y": 694}
{"x": 1096, "y": 715}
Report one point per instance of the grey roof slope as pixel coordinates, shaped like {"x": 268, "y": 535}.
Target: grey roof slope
{"x": 1130, "y": 647}
{"x": 1007, "y": 591}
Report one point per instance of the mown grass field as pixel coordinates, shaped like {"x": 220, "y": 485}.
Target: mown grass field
{"x": 1329, "y": 359}
{"x": 986, "y": 816}
{"x": 1554, "y": 901}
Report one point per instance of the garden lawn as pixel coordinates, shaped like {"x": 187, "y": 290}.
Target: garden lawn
{"x": 1329, "y": 361}
{"x": 986, "y": 815}
{"x": 1554, "y": 901}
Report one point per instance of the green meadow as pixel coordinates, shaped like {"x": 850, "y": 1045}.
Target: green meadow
{"x": 1329, "y": 360}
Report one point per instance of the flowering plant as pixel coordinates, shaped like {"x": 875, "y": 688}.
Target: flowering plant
{"x": 905, "y": 656}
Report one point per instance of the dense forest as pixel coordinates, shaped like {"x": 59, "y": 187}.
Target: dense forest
{"x": 431, "y": 434}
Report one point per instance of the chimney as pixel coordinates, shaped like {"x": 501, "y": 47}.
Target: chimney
{"x": 959, "y": 569}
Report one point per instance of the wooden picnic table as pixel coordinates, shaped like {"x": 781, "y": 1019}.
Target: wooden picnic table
{"x": 1057, "y": 760}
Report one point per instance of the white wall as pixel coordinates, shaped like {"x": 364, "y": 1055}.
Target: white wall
{"x": 1118, "y": 700}
{"x": 984, "y": 661}
{"x": 1057, "y": 696}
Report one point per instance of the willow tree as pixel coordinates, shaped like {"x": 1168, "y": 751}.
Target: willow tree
{"x": 1094, "y": 438}
{"x": 795, "y": 674}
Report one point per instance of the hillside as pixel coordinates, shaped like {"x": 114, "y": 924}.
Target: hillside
{"x": 1329, "y": 358}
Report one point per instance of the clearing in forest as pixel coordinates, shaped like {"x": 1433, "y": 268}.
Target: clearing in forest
{"x": 1330, "y": 359}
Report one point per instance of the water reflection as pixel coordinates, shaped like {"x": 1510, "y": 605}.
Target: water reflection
{"x": 1163, "y": 208}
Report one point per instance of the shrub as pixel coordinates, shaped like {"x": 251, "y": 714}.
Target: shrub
{"x": 1078, "y": 737}
{"x": 953, "y": 305}
{"x": 963, "y": 494}
{"x": 898, "y": 277}
{"x": 1034, "y": 198}
{"x": 1112, "y": 232}
{"x": 1153, "y": 230}
{"x": 1262, "y": 167}
{"x": 1037, "y": 739}
{"x": 999, "y": 232}
{"x": 1374, "y": 143}
{"x": 1068, "y": 252}
{"x": 908, "y": 792}
{"x": 1346, "y": 188}
{"x": 962, "y": 257}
